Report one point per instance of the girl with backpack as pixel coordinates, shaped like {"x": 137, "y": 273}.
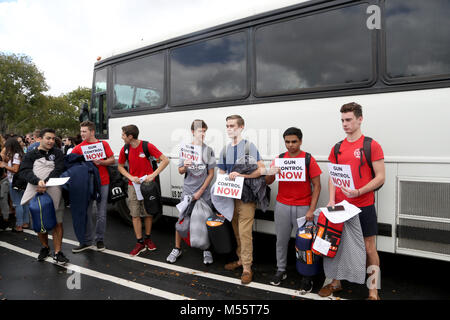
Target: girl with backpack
{"x": 12, "y": 157}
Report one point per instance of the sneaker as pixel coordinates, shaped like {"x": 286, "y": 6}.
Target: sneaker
{"x": 173, "y": 256}
{"x": 5, "y": 225}
{"x": 100, "y": 246}
{"x": 44, "y": 253}
{"x": 278, "y": 277}
{"x": 81, "y": 248}
{"x": 207, "y": 257}
{"x": 149, "y": 244}
{"x": 60, "y": 258}
{"x": 306, "y": 286}
{"x": 137, "y": 249}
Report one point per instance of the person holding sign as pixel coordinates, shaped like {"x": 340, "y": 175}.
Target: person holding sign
{"x": 244, "y": 212}
{"x": 295, "y": 197}
{"x": 139, "y": 166}
{"x": 100, "y": 153}
{"x": 198, "y": 174}
{"x": 351, "y": 151}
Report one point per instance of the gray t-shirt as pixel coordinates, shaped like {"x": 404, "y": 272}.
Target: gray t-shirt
{"x": 234, "y": 153}
{"x": 197, "y": 173}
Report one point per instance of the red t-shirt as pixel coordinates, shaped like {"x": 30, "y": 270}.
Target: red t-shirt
{"x": 104, "y": 175}
{"x": 138, "y": 164}
{"x": 351, "y": 153}
{"x": 297, "y": 193}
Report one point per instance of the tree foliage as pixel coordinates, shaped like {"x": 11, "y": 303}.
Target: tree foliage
{"x": 23, "y": 104}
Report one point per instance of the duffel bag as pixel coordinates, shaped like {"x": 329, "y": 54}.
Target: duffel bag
{"x": 42, "y": 213}
{"x": 328, "y": 237}
{"x": 219, "y": 233}
{"x": 308, "y": 263}
{"x": 198, "y": 230}
{"x": 184, "y": 222}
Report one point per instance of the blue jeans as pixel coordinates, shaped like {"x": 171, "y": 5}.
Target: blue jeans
{"x": 22, "y": 215}
{"x": 100, "y": 225}
{"x": 4, "y": 205}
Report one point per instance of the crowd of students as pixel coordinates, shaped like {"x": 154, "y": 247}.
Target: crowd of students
{"x": 239, "y": 158}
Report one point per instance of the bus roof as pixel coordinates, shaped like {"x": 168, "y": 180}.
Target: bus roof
{"x": 192, "y": 26}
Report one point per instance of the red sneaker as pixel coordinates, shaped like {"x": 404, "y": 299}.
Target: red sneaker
{"x": 150, "y": 245}
{"x": 137, "y": 249}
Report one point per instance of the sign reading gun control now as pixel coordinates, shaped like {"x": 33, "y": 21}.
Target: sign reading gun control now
{"x": 292, "y": 169}
{"x": 192, "y": 152}
{"x": 225, "y": 187}
{"x": 341, "y": 175}
{"x": 93, "y": 152}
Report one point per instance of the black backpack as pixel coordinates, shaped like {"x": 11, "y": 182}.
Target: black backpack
{"x": 152, "y": 162}
{"x": 366, "y": 149}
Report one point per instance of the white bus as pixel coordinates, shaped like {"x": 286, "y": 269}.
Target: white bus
{"x": 296, "y": 66}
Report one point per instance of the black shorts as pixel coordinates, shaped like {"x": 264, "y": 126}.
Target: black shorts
{"x": 368, "y": 220}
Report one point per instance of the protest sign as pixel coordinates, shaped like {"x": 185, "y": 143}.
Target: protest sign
{"x": 93, "y": 152}
{"x": 225, "y": 187}
{"x": 292, "y": 169}
{"x": 191, "y": 152}
{"x": 341, "y": 175}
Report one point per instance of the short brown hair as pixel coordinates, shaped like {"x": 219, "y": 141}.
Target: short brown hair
{"x": 89, "y": 124}
{"x": 240, "y": 120}
{"x": 352, "y": 107}
{"x": 197, "y": 124}
{"x": 131, "y": 130}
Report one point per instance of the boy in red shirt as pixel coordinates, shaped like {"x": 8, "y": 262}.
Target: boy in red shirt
{"x": 351, "y": 153}
{"x": 138, "y": 166}
{"x": 295, "y": 199}
{"x": 87, "y": 132}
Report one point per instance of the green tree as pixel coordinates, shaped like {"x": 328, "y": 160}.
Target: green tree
{"x": 21, "y": 91}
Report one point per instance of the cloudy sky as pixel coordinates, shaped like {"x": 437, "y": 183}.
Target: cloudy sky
{"x": 65, "y": 37}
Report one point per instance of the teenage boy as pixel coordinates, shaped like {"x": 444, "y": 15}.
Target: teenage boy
{"x": 351, "y": 153}
{"x": 196, "y": 181}
{"x": 87, "y": 132}
{"x": 244, "y": 213}
{"x": 295, "y": 199}
{"x": 34, "y": 162}
{"x": 139, "y": 166}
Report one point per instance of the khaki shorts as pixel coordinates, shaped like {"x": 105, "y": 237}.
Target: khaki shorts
{"x": 136, "y": 206}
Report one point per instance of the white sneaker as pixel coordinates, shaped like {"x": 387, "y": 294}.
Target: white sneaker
{"x": 174, "y": 255}
{"x": 207, "y": 257}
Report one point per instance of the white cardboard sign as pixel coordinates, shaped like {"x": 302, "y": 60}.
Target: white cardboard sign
{"x": 292, "y": 169}
{"x": 225, "y": 187}
{"x": 341, "y": 175}
{"x": 93, "y": 152}
{"x": 191, "y": 152}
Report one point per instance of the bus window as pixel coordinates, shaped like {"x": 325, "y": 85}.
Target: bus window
{"x": 417, "y": 40}
{"x": 139, "y": 83}
{"x": 210, "y": 70}
{"x": 100, "y": 80}
{"x": 319, "y": 51}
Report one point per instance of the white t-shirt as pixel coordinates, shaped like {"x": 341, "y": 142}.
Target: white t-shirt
{"x": 15, "y": 160}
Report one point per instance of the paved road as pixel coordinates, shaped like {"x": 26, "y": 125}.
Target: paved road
{"x": 114, "y": 275}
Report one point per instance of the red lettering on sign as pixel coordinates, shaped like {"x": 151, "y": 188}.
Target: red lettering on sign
{"x": 341, "y": 183}
{"x": 291, "y": 175}
{"x": 227, "y": 191}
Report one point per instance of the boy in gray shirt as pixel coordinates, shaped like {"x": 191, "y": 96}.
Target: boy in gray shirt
{"x": 197, "y": 178}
